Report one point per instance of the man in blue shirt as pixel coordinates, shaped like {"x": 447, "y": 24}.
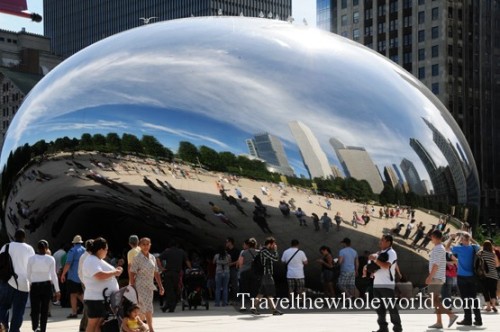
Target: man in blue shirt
{"x": 348, "y": 261}
{"x": 465, "y": 252}
{"x": 73, "y": 284}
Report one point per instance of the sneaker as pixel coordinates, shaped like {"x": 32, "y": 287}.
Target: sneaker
{"x": 452, "y": 320}
{"x": 277, "y": 312}
{"x": 436, "y": 326}
{"x": 478, "y": 323}
{"x": 72, "y": 316}
{"x": 254, "y": 312}
{"x": 465, "y": 323}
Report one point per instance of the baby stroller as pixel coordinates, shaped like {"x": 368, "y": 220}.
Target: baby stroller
{"x": 117, "y": 303}
{"x": 194, "y": 291}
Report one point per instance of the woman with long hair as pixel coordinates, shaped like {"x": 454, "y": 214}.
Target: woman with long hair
{"x": 222, "y": 260}
{"x": 143, "y": 272}
{"x": 490, "y": 280}
{"x": 98, "y": 276}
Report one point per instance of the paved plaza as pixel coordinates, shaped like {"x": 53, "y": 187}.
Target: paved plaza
{"x": 228, "y": 319}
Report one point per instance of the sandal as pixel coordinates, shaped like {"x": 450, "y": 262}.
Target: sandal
{"x": 495, "y": 310}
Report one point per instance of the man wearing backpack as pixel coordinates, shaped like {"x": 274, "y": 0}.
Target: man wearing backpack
{"x": 14, "y": 292}
{"x": 465, "y": 252}
{"x": 268, "y": 255}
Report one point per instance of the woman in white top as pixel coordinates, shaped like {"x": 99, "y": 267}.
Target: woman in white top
{"x": 42, "y": 275}
{"x": 98, "y": 275}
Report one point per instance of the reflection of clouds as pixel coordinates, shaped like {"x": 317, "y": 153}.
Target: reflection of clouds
{"x": 184, "y": 133}
{"x": 99, "y": 125}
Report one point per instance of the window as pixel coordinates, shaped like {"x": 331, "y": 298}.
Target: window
{"x": 355, "y": 17}
{"x": 344, "y": 34}
{"x": 435, "y": 13}
{"x": 393, "y": 25}
{"x": 393, "y": 42}
{"x": 421, "y": 36}
{"x": 407, "y": 21}
{"x": 435, "y": 70}
{"x": 407, "y": 57}
{"x": 435, "y": 88}
{"x": 407, "y": 40}
{"x": 344, "y": 4}
{"x": 435, "y": 51}
{"x": 381, "y": 10}
{"x": 394, "y": 58}
{"x": 421, "y": 54}
{"x": 421, "y": 17}
{"x": 421, "y": 2}
{"x": 393, "y": 8}
{"x": 355, "y": 34}
{"x": 343, "y": 20}
{"x": 421, "y": 73}
{"x": 407, "y": 4}
{"x": 369, "y": 31}
{"x": 369, "y": 14}
{"x": 435, "y": 32}
{"x": 381, "y": 27}
{"x": 381, "y": 46}
{"x": 355, "y": 2}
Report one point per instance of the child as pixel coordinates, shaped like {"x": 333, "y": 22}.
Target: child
{"x": 132, "y": 322}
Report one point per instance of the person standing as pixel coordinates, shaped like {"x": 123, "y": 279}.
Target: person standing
{"x": 349, "y": 264}
{"x": 326, "y": 222}
{"x": 234, "y": 254}
{"x": 248, "y": 280}
{"x": 295, "y": 260}
{"x": 436, "y": 279}
{"x": 465, "y": 252}
{"x": 327, "y": 266}
{"x": 73, "y": 282}
{"x": 42, "y": 275}
{"x": 490, "y": 280}
{"x": 174, "y": 258}
{"x": 384, "y": 283}
{"x": 133, "y": 242}
{"x": 222, "y": 261}
{"x": 143, "y": 272}
{"x": 268, "y": 255}
{"x": 301, "y": 216}
{"x": 15, "y": 291}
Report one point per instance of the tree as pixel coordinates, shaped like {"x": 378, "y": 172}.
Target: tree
{"x": 113, "y": 142}
{"x": 210, "y": 158}
{"x": 388, "y": 195}
{"x": 188, "y": 152}
{"x": 130, "y": 143}
{"x": 86, "y": 142}
{"x": 227, "y": 159}
{"x": 152, "y": 147}
{"x": 39, "y": 148}
{"x": 99, "y": 142}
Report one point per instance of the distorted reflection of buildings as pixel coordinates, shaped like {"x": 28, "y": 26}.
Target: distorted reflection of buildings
{"x": 313, "y": 156}
{"x": 337, "y": 172}
{"x": 390, "y": 177}
{"x": 270, "y": 149}
{"x": 358, "y": 164}
{"x": 402, "y": 183}
{"x": 412, "y": 177}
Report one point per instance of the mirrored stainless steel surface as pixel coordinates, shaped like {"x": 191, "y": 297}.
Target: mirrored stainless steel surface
{"x": 132, "y": 133}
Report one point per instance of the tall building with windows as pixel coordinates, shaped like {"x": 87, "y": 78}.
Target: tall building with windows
{"x": 269, "y": 148}
{"x": 453, "y": 47}
{"x": 75, "y": 24}
{"x": 412, "y": 176}
{"x": 313, "y": 156}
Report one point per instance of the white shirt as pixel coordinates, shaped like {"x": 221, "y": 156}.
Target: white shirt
{"x": 382, "y": 278}
{"x": 93, "y": 286}
{"x": 295, "y": 268}
{"x": 42, "y": 268}
{"x": 20, "y": 253}
{"x": 438, "y": 257}
{"x": 80, "y": 264}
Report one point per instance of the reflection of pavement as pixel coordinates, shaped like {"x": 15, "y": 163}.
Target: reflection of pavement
{"x": 226, "y": 318}
{"x": 182, "y": 192}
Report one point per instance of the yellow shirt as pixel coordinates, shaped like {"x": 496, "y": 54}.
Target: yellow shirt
{"x": 133, "y": 324}
{"x": 132, "y": 253}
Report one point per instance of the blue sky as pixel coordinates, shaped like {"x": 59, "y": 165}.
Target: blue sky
{"x": 301, "y": 9}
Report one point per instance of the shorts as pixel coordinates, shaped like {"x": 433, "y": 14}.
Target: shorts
{"x": 296, "y": 285}
{"x": 267, "y": 287}
{"x": 435, "y": 286}
{"x": 73, "y": 287}
{"x": 96, "y": 308}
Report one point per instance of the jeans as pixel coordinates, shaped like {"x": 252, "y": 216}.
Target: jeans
{"x": 221, "y": 285}
{"x": 15, "y": 299}
{"x": 381, "y": 293}
{"x": 40, "y": 296}
{"x": 467, "y": 288}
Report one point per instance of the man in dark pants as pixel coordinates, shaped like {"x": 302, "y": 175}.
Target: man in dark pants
{"x": 465, "y": 252}
{"x": 233, "y": 268}
{"x": 174, "y": 258}
{"x": 384, "y": 284}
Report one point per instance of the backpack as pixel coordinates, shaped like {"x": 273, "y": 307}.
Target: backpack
{"x": 257, "y": 266}
{"x": 6, "y": 266}
{"x": 480, "y": 266}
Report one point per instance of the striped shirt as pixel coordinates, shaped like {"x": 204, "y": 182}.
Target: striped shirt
{"x": 489, "y": 260}
{"x": 438, "y": 257}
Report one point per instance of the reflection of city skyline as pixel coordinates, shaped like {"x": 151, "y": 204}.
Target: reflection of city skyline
{"x": 412, "y": 176}
{"x": 270, "y": 149}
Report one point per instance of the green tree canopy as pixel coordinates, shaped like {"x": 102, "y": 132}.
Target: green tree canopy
{"x": 188, "y": 152}
{"x": 130, "y": 143}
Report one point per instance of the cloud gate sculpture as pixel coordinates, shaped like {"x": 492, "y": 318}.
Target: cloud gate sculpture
{"x": 139, "y": 132}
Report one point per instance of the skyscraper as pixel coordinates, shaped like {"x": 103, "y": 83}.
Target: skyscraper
{"x": 453, "y": 47}
{"x": 269, "y": 148}
{"x": 75, "y": 24}
{"x": 412, "y": 176}
{"x": 313, "y": 156}
{"x": 358, "y": 164}
{"x": 390, "y": 177}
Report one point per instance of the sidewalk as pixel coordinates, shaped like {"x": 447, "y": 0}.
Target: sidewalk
{"x": 228, "y": 319}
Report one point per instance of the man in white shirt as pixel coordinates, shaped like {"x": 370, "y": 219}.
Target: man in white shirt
{"x": 384, "y": 284}
{"x": 14, "y": 293}
{"x": 295, "y": 259}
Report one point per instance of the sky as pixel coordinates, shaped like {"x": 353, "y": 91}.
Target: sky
{"x": 301, "y": 9}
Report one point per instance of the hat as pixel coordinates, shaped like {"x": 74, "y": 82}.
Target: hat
{"x": 346, "y": 240}
{"x": 77, "y": 239}
{"x": 133, "y": 239}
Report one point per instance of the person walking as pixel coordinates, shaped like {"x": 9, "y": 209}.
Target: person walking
{"x": 437, "y": 278}
{"x": 70, "y": 275}
{"x": 295, "y": 260}
{"x": 490, "y": 280}
{"x": 143, "y": 272}
{"x": 222, "y": 261}
{"x": 384, "y": 284}
{"x": 14, "y": 292}
{"x": 349, "y": 264}
{"x": 465, "y": 252}
{"x": 133, "y": 242}
{"x": 42, "y": 276}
